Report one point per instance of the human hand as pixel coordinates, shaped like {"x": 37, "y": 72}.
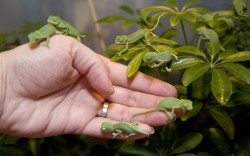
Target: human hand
{"x": 60, "y": 89}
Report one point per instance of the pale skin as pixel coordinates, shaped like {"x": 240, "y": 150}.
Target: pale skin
{"x": 60, "y": 90}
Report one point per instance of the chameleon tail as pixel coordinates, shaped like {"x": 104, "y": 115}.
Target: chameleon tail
{"x": 158, "y": 20}
{"x": 122, "y": 51}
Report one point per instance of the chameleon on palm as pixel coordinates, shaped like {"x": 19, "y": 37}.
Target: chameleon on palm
{"x": 116, "y": 129}
{"x": 65, "y": 27}
{"x": 136, "y": 36}
{"x": 168, "y": 106}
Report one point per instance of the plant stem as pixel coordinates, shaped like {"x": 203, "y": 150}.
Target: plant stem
{"x": 184, "y": 32}
{"x": 97, "y": 26}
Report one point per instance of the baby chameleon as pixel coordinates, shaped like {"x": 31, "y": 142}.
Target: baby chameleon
{"x": 65, "y": 27}
{"x": 136, "y": 36}
{"x": 129, "y": 129}
{"x": 171, "y": 104}
{"x": 44, "y": 33}
{"x": 154, "y": 59}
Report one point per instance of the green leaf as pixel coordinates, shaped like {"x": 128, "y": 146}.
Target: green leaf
{"x": 240, "y": 6}
{"x": 136, "y": 149}
{"x": 226, "y": 53}
{"x": 169, "y": 33}
{"x": 242, "y": 98}
{"x": 224, "y": 120}
{"x": 127, "y": 23}
{"x": 221, "y": 86}
{"x": 156, "y": 8}
{"x": 198, "y": 9}
{"x": 190, "y": 50}
{"x": 164, "y": 48}
{"x": 127, "y": 9}
{"x": 244, "y": 147}
{"x": 194, "y": 73}
{"x": 237, "y": 57}
{"x": 113, "y": 49}
{"x": 132, "y": 52}
{"x": 14, "y": 150}
{"x": 162, "y": 40}
{"x": 189, "y": 3}
{"x": 168, "y": 135}
{"x": 187, "y": 154}
{"x": 110, "y": 19}
{"x": 208, "y": 34}
{"x": 220, "y": 141}
{"x": 213, "y": 48}
{"x": 239, "y": 71}
{"x": 187, "y": 143}
{"x": 134, "y": 64}
{"x": 190, "y": 16}
{"x": 175, "y": 19}
{"x": 171, "y": 3}
{"x": 196, "y": 109}
{"x": 204, "y": 154}
{"x": 185, "y": 62}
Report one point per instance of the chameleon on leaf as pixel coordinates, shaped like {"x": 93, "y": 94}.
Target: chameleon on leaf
{"x": 43, "y": 33}
{"x": 135, "y": 36}
{"x": 65, "y": 27}
{"x": 168, "y": 106}
{"x": 154, "y": 59}
{"x": 129, "y": 129}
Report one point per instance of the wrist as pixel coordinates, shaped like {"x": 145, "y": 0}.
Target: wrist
{"x": 2, "y": 81}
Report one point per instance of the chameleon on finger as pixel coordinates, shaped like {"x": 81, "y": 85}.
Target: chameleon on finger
{"x": 129, "y": 129}
{"x": 135, "y": 36}
{"x": 43, "y": 33}
{"x": 168, "y": 106}
{"x": 65, "y": 27}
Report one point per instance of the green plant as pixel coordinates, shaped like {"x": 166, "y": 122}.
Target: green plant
{"x": 213, "y": 64}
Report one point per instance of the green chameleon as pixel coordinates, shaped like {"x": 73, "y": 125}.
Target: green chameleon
{"x": 44, "y": 33}
{"x": 129, "y": 129}
{"x": 136, "y": 36}
{"x": 65, "y": 27}
{"x": 154, "y": 59}
{"x": 171, "y": 104}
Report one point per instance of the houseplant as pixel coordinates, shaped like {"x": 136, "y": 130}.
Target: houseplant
{"x": 212, "y": 65}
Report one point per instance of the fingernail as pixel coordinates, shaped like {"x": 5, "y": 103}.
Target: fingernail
{"x": 152, "y": 130}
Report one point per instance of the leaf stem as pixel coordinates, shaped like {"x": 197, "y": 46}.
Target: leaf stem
{"x": 184, "y": 32}
{"x": 97, "y": 26}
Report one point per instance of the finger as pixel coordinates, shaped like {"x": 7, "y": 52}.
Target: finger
{"x": 94, "y": 129}
{"x": 139, "y": 82}
{"x": 90, "y": 64}
{"x": 134, "y": 98}
{"x": 123, "y": 113}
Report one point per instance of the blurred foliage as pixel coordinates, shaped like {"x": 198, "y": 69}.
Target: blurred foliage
{"x": 214, "y": 68}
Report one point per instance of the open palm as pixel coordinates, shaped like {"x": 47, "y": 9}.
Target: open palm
{"x": 60, "y": 89}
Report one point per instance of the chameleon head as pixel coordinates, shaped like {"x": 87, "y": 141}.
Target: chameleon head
{"x": 150, "y": 57}
{"x": 121, "y": 39}
{"x": 186, "y": 104}
{"x": 34, "y": 36}
{"x": 107, "y": 127}
{"x": 54, "y": 20}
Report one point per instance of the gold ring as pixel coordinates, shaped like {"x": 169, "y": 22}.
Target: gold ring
{"x": 104, "y": 111}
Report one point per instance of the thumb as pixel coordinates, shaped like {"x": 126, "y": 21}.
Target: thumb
{"x": 90, "y": 64}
